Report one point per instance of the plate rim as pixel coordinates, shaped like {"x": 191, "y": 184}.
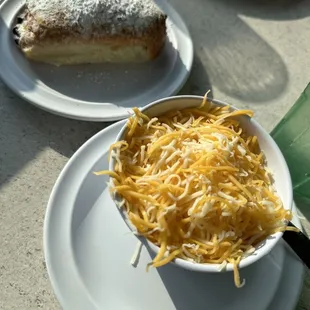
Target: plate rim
{"x": 47, "y": 230}
{"x": 43, "y": 97}
{"x": 49, "y": 208}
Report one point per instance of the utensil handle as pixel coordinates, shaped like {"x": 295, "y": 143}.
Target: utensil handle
{"x": 299, "y": 243}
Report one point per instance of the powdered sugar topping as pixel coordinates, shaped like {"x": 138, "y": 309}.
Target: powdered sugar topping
{"x": 114, "y": 16}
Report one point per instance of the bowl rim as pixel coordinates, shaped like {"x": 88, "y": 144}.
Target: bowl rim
{"x": 208, "y": 267}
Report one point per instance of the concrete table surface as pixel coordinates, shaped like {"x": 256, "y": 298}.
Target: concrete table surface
{"x": 253, "y": 54}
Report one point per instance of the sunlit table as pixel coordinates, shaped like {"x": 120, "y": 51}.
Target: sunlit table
{"x": 251, "y": 55}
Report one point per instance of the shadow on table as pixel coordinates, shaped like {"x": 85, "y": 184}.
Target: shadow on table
{"x": 238, "y": 61}
{"x": 198, "y": 82}
{"x": 270, "y": 9}
{"x": 26, "y": 131}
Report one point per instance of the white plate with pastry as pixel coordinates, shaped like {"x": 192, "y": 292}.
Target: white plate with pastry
{"x": 88, "y": 249}
{"x": 93, "y": 60}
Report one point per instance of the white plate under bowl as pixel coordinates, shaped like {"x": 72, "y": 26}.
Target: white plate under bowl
{"x": 100, "y": 92}
{"x": 88, "y": 248}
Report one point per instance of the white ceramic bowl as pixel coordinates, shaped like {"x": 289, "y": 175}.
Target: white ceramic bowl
{"x": 275, "y": 162}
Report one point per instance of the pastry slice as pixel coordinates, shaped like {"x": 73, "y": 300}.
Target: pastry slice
{"x": 63, "y": 32}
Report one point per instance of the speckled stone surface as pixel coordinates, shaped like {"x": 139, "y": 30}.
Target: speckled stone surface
{"x": 251, "y": 53}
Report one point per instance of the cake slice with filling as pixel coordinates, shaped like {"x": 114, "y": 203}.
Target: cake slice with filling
{"x": 63, "y": 32}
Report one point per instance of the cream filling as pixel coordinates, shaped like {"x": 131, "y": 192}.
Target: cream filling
{"x": 81, "y": 53}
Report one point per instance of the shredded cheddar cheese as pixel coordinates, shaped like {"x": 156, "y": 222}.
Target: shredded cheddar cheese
{"x": 196, "y": 185}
